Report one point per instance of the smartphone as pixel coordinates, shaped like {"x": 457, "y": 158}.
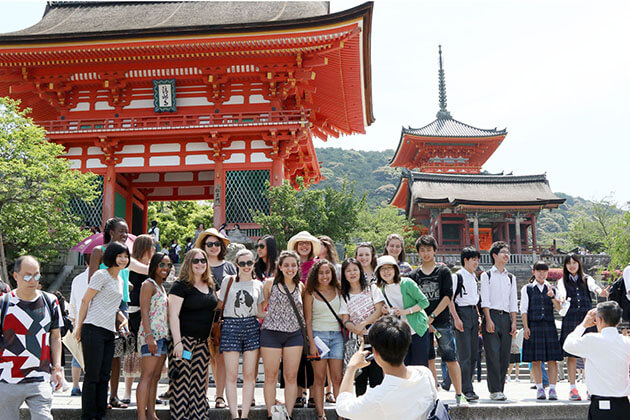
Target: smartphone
{"x": 366, "y": 343}
{"x": 369, "y": 357}
{"x": 186, "y": 355}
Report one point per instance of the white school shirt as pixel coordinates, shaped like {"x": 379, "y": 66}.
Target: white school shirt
{"x": 590, "y": 282}
{"x": 470, "y": 294}
{"x": 525, "y": 297}
{"x": 499, "y": 292}
{"x": 77, "y": 290}
{"x": 607, "y": 360}
{"x": 394, "y": 398}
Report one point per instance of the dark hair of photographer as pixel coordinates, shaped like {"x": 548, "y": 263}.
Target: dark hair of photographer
{"x": 390, "y": 337}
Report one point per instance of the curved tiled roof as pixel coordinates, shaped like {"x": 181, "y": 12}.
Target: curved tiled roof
{"x": 452, "y": 128}
{"x": 64, "y": 18}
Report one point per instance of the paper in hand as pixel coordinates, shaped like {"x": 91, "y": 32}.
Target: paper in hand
{"x": 321, "y": 346}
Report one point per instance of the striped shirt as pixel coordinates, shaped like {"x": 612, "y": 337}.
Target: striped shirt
{"x": 104, "y": 306}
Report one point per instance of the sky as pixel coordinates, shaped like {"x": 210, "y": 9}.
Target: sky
{"x": 554, "y": 73}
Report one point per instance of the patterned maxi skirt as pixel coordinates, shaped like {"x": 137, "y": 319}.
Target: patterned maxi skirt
{"x": 543, "y": 344}
{"x": 188, "y": 381}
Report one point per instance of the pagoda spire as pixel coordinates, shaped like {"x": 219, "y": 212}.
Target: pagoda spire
{"x": 443, "y": 113}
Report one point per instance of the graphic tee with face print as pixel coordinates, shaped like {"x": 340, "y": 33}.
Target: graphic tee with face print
{"x": 243, "y": 299}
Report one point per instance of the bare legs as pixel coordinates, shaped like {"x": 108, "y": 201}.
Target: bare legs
{"x": 146, "y": 392}
{"x": 319, "y": 368}
{"x": 250, "y": 362}
{"x": 218, "y": 371}
{"x": 552, "y": 365}
{"x": 571, "y": 369}
{"x": 271, "y": 361}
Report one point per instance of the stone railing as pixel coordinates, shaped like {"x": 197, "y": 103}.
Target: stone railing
{"x": 588, "y": 261}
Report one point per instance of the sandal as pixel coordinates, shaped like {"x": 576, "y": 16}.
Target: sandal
{"x": 126, "y": 400}
{"x": 300, "y": 402}
{"x": 330, "y": 398}
{"x": 116, "y": 403}
{"x": 219, "y": 404}
{"x": 311, "y": 403}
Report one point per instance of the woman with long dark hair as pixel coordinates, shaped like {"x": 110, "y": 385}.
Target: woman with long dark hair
{"x": 575, "y": 286}
{"x": 191, "y": 304}
{"x": 322, "y": 301}
{"x": 281, "y": 336}
{"x": 153, "y": 333}
{"x": 361, "y": 306}
{"x": 267, "y": 252}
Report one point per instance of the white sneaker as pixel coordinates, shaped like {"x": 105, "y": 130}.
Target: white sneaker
{"x": 517, "y": 380}
{"x": 495, "y": 396}
{"x": 461, "y": 401}
{"x": 502, "y": 395}
{"x": 66, "y": 386}
{"x": 508, "y": 379}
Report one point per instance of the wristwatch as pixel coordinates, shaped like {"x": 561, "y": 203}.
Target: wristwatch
{"x": 432, "y": 315}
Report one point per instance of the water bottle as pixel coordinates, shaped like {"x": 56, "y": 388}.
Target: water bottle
{"x": 565, "y": 307}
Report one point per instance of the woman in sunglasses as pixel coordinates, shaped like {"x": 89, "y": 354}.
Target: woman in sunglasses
{"x": 152, "y": 334}
{"x": 191, "y": 305}
{"x": 215, "y": 245}
{"x": 242, "y": 298}
{"x": 267, "y": 251}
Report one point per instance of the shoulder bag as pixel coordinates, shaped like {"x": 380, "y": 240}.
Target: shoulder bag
{"x": 215, "y": 330}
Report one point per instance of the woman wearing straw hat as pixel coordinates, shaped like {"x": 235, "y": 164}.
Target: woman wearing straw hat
{"x": 307, "y": 247}
{"x": 215, "y": 245}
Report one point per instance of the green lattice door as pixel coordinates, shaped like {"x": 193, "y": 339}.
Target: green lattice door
{"x": 244, "y": 195}
{"x": 90, "y": 213}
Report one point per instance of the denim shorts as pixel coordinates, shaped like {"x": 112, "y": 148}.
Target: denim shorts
{"x": 334, "y": 341}
{"x": 446, "y": 343}
{"x": 281, "y": 339}
{"x": 161, "y": 348}
{"x": 75, "y": 362}
{"x": 240, "y": 334}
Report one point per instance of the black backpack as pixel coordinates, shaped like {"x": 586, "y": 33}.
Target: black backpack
{"x": 459, "y": 289}
{"x": 618, "y": 294}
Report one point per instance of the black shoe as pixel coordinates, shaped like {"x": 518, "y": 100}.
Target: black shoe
{"x": 445, "y": 387}
{"x": 471, "y": 396}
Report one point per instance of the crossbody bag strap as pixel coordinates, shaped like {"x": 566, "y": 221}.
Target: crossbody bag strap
{"x": 331, "y": 308}
{"x": 227, "y": 291}
{"x": 386, "y": 298}
{"x": 5, "y": 306}
{"x": 297, "y": 314}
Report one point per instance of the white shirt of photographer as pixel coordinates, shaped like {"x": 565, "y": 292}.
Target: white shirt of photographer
{"x": 394, "y": 398}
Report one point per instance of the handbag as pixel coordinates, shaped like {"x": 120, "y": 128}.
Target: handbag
{"x": 353, "y": 344}
{"x": 124, "y": 344}
{"x": 439, "y": 411}
{"x": 215, "y": 330}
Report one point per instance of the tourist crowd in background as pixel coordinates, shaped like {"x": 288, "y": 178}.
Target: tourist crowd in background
{"x": 302, "y": 310}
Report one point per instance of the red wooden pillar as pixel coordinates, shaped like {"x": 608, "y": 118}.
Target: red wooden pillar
{"x": 109, "y": 192}
{"x": 277, "y": 172}
{"x": 466, "y": 232}
{"x": 534, "y": 236}
{"x": 506, "y": 231}
{"x": 219, "y": 194}
{"x": 439, "y": 231}
{"x": 145, "y": 216}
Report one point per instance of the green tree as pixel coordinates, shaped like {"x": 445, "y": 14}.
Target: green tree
{"x": 619, "y": 244}
{"x": 374, "y": 226}
{"x": 179, "y": 219}
{"x": 329, "y": 211}
{"x": 593, "y": 227}
{"x": 36, "y": 185}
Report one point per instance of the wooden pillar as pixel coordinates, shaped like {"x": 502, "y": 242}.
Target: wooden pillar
{"x": 277, "y": 172}
{"x": 129, "y": 209}
{"x": 517, "y": 228}
{"x": 534, "y": 236}
{"x": 219, "y": 194}
{"x": 439, "y": 231}
{"x": 476, "y": 231}
{"x": 466, "y": 230}
{"x": 109, "y": 192}
{"x": 526, "y": 238}
{"x": 145, "y": 216}
{"x": 506, "y": 230}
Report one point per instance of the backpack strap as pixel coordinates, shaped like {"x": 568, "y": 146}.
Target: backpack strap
{"x": 3, "y": 310}
{"x": 49, "y": 305}
{"x": 460, "y": 289}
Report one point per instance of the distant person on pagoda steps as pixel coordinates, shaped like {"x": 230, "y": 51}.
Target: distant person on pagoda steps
{"x": 500, "y": 305}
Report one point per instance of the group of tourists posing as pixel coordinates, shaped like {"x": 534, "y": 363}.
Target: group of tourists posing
{"x": 301, "y": 310}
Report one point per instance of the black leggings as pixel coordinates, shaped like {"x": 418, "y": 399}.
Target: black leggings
{"x": 373, "y": 373}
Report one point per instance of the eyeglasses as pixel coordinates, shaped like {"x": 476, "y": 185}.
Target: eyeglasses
{"x": 30, "y": 277}
{"x": 210, "y": 244}
{"x": 260, "y": 246}
{"x": 505, "y": 253}
{"x": 248, "y": 263}
{"x": 199, "y": 261}
{"x": 169, "y": 265}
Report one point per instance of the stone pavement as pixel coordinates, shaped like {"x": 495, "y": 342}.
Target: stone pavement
{"x": 521, "y": 404}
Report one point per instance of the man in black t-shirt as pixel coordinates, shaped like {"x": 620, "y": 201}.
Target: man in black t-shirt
{"x": 436, "y": 283}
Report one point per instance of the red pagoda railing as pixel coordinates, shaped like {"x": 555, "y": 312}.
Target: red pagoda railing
{"x": 161, "y": 122}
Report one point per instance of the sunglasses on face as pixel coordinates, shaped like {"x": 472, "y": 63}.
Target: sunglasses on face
{"x": 30, "y": 277}
{"x": 210, "y": 244}
{"x": 199, "y": 261}
{"x": 163, "y": 264}
{"x": 245, "y": 263}
{"x": 260, "y": 246}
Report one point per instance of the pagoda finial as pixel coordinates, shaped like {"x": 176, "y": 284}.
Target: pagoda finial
{"x": 443, "y": 113}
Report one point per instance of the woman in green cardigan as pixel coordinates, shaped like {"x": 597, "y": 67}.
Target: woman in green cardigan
{"x": 404, "y": 299}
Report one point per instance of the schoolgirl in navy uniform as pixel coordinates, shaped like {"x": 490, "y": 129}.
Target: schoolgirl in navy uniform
{"x": 540, "y": 336}
{"x": 576, "y": 285}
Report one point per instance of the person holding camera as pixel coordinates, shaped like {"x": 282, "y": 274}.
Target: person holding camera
{"x": 407, "y": 392}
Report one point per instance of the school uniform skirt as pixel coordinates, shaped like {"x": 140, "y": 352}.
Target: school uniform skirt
{"x": 543, "y": 344}
{"x": 572, "y": 319}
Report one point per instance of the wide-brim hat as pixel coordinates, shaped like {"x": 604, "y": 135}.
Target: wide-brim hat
{"x": 210, "y": 232}
{"x": 386, "y": 260}
{"x": 304, "y": 236}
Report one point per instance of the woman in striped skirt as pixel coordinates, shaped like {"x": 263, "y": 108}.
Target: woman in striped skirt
{"x": 540, "y": 337}
{"x": 191, "y": 305}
